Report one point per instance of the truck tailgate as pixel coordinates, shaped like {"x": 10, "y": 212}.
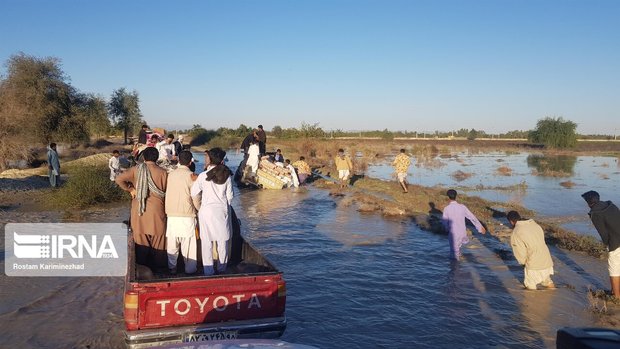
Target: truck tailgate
{"x": 209, "y": 299}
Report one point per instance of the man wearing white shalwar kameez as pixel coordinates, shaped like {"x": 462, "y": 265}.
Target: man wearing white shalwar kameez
{"x": 214, "y": 219}
{"x": 253, "y": 157}
{"x": 181, "y": 211}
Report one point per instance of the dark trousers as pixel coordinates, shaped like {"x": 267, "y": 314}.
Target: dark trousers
{"x": 151, "y": 250}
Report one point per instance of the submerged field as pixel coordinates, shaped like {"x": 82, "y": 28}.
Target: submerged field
{"x": 367, "y": 266}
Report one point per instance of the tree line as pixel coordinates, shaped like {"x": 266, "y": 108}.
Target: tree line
{"x": 39, "y": 105}
{"x": 552, "y": 132}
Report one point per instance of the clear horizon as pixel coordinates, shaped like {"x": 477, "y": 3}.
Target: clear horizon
{"x": 495, "y": 66}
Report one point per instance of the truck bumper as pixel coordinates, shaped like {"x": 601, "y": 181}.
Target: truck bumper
{"x": 258, "y": 328}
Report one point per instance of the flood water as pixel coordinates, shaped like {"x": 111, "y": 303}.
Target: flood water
{"x": 353, "y": 281}
{"x": 541, "y": 193}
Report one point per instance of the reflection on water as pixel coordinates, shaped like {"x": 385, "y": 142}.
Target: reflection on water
{"x": 558, "y": 165}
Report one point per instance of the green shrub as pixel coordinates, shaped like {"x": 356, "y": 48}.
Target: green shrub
{"x": 224, "y": 142}
{"x": 87, "y": 185}
{"x": 554, "y": 133}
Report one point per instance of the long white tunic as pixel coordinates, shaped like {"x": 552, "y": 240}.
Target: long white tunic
{"x": 115, "y": 167}
{"x": 253, "y": 159}
{"x": 214, "y": 212}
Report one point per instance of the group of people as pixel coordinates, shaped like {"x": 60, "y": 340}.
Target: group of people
{"x": 168, "y": 207}
{"x": 528, "y": 239}
{"x": 168, "y": 148}
{"x": 254, "y": 149}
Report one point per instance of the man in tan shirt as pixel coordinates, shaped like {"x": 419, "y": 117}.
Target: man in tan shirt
{"x": 181, "y": 211}
{"x": 344, "y": 166}
{"x": 528, "y": 246}
{"x": 146, "y": 183}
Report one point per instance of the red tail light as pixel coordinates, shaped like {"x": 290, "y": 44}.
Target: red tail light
{"x": 131, "y": 310}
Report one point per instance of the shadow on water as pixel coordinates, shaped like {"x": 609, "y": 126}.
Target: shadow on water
{"x": 570, "y": 263}
{"x": 504, "y": 312}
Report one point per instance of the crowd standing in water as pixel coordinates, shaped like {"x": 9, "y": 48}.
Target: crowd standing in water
{"x": 169, "y": 203}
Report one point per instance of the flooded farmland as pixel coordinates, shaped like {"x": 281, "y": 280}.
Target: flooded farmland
{"x": 358, "y": 280}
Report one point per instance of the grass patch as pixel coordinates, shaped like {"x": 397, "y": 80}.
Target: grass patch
{"x": 504, "y": 171}
{"x": 86, "y": 186}
{"x": 567, "y": 184}
{"x": 224, "y": 142}
{"x": 460, "y": 175}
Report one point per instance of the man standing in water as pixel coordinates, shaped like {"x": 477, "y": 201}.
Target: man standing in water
{"x": 53, "y": 165}
{"x": 344, "y": 166}
{"x": 606, "y": 219}
{"x": 528, "y": 246}
{"x": 454, "y": 222}
{"x": 401, "y": 165}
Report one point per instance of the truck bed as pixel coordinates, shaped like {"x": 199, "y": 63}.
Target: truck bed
{"x": 247, "y": 301}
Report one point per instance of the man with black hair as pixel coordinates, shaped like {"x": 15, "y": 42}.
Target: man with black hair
{"x": 214, "y": 186}
{"x": 142, "y": 134}
{"x": 529, "y": 247}
{"x": 181, "y": 211}
{"x": 278, "y": 157}
{"x": 344, "y": 166}
{"x": 167, "y": 152}
{"x": 454, "y": 216}
{"x": 114, "y": 165}
{"x": 606, "y": 219}
{"x": 303, "y": 169}
{"x": 146, "y": 183}
{"x": 401, "y": 165}
{"x": 262, "y": 140}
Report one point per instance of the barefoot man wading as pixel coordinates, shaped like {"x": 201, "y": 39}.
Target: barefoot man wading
{"x": 528, "y": 246}
{"x": 454, "y": 222}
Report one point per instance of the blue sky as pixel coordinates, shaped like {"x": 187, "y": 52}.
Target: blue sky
{"x": 354, "y": 65}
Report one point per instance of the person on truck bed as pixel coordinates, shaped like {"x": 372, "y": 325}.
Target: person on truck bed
{"x": 146, "y": 183}
{"x": 181, "y": 210}
{"x": 215, "y": 187}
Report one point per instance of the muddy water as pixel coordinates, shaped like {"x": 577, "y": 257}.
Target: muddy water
{"x": 355, "y": 281}
{"x": 541, "y": 193}
{"x": 361, "y": 281}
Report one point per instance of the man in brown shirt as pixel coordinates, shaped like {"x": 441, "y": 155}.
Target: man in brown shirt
{"x": 262, "y": 140}
{"x": 147, "y": 185}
